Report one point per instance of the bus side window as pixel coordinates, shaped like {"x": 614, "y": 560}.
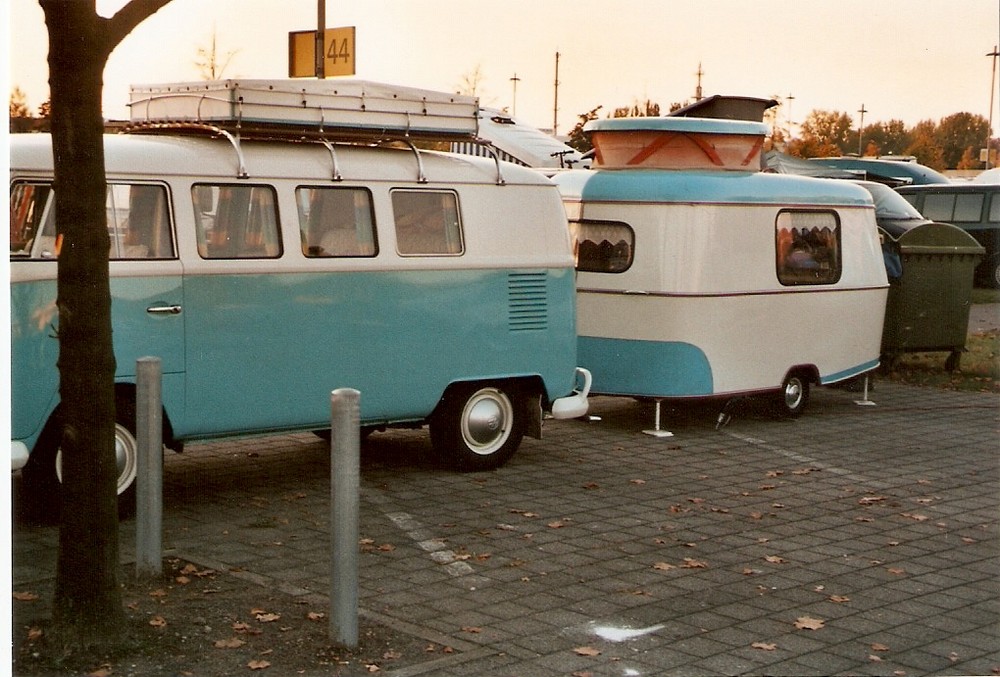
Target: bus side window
{"x": 427, "y": 223}
{"x": 139, "y": 222}
{"x": 336, "y": 222}
{"x": 32, "y": 220}
{"x": 807, "y": 247}
{"x": 236, "y": 221}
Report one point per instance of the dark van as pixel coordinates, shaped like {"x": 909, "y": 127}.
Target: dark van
{"x": 974, "y": 207}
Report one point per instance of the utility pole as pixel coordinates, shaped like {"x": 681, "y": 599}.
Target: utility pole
{"x": 789, "y": 99}
{"x": 320, "y": 38}
{"x": 513, "y": 108}
{"x": 555, "y": 105}
{"x": 993, "y": 80}
{"x": 697, "y": 89}
{"x": 861, "y": 129}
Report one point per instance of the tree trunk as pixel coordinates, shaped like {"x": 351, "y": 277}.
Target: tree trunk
{"x": 88, "y": 608}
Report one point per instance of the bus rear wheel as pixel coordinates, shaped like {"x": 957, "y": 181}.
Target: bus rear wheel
{"x": 478, "y": 427}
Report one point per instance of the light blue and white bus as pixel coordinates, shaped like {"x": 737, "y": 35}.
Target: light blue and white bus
{"x": 265, "y": 274}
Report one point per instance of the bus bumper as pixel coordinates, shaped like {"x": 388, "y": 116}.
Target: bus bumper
{"x": 575, "y": 405}
{"x": 18, "y": 455}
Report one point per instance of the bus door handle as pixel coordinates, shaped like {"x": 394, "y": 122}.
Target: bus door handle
{"x": 164, "y": 310}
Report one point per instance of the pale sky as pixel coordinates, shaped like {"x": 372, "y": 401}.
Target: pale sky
{"x": 902, "y": 59}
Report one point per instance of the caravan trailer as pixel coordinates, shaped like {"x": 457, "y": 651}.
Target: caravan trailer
{"x": 699, "y": 276}
{"x": 268, "y": 250}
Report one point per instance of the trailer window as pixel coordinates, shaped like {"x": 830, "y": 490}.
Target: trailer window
{"x": 602, "y": 246}
{"x": 336, "y": 222}
{"x": 236, "y": 222}
{"x": 808, "y": 247}
{"x": 138, "y": 221}
{"x": 427, "y": 223}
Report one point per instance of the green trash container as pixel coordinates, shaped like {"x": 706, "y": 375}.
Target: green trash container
{"x": 930, "y": 290}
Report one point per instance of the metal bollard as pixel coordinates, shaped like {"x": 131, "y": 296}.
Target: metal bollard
{"x": 345, "y": 443}
{"x": 149, "y": 464}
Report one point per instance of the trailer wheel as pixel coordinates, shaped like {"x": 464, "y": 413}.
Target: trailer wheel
{"x": 794, "y": 395}
{"x": 478, "y": 427}
{"x": 43, "y": 473}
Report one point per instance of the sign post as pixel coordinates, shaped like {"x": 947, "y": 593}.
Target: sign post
{"x": 337, "y": 53}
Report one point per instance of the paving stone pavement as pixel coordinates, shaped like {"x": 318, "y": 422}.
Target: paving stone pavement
{"x": 693, "y": 554}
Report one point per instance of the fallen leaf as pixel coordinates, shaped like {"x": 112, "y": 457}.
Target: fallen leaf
{"x": 315, "y": 616}
{"x": 386, "y": 547}
{"x": 864, "y": 519}
{"x": 182, "y": 580}
{"x": 870, "y": 500}
{"x": 839, "y": 599}
{"x": 556, "y": 525}
{"x": 591, "y": 485}
{"x": 691, "y": 563}
{"x": 189, "y": 569}
{"x": 35, "y": 633}
{"x": 775, "y": 559}
{"x": 637, "y": 481}
{"x": 264, "y": 617}
{"x": 158, "y": 622}
{"x": 158, "y": 593}
{"x": 103, "y": 671}
{"x": 756, "y": 515}
{"x": 258, "y": 665}
{"x": 914, "y": 516}
{"x": 372, "y": 667}
{"x": 953, "y": 657}
{"x": 896, "y": 570}
{"x": 471, "y": 629}
{"x": 664, "y": 566}
{"x": 774, "y": 473}
{"x": 747, "y": 571}
{"x": 967, "y": 540}
{"x": 876, "y": 646}
{"x": 231, "y": 643}
{"x": 807, "y": 623}
{"x": 696, "y": 500}
{"x": 765, "y": 646}
{"x": 391, "y": 655}
{"x": 874, "y": 659}
{"x": 25, "y": 596}
{"x": 586, "y": 651}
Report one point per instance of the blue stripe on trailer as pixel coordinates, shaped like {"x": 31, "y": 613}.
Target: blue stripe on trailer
{"x": 708, "y": 187}
{"x": 646, "y": 368}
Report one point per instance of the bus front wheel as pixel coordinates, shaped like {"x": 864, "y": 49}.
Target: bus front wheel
{"x": 44, "y": 472}
{"x": 478, "y": 427}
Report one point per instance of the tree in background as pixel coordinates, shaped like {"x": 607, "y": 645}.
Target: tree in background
{"x": 87, "y": 606}
{"x": 19, "y": 104}
{"x": 824, "y": 134}
{"x": 577, "y": 139}
{"x": 211, "y": 65}
{"x": 648, "y": 109}
{"x": 959, "y": 133}
{"x": 924, "y": 145}
{"x": 889, "y": 138}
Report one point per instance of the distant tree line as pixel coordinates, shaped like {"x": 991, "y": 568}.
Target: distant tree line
{"x": 953, "y": 142}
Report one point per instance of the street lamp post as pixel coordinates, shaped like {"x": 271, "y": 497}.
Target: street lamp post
{"x": 513, "y": 108}
{"x": 993, "y": 79}
{"x": 861, "y": 129}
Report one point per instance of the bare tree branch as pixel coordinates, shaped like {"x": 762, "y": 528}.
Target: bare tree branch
{"x": 127, "y": 18}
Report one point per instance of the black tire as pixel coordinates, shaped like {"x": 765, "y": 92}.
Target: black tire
{"x": 478, "y": 427}
{"x": 42, "y": 474}
{"x": 793, "y": 398}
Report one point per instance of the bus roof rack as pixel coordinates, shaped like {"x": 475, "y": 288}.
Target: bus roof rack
{"x": 336, "y": 110}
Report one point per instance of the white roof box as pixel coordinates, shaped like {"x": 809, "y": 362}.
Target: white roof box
{"x": 327, "y": 108}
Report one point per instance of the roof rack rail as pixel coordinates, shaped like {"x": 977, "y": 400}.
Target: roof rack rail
{"x": 322, "y": 111}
